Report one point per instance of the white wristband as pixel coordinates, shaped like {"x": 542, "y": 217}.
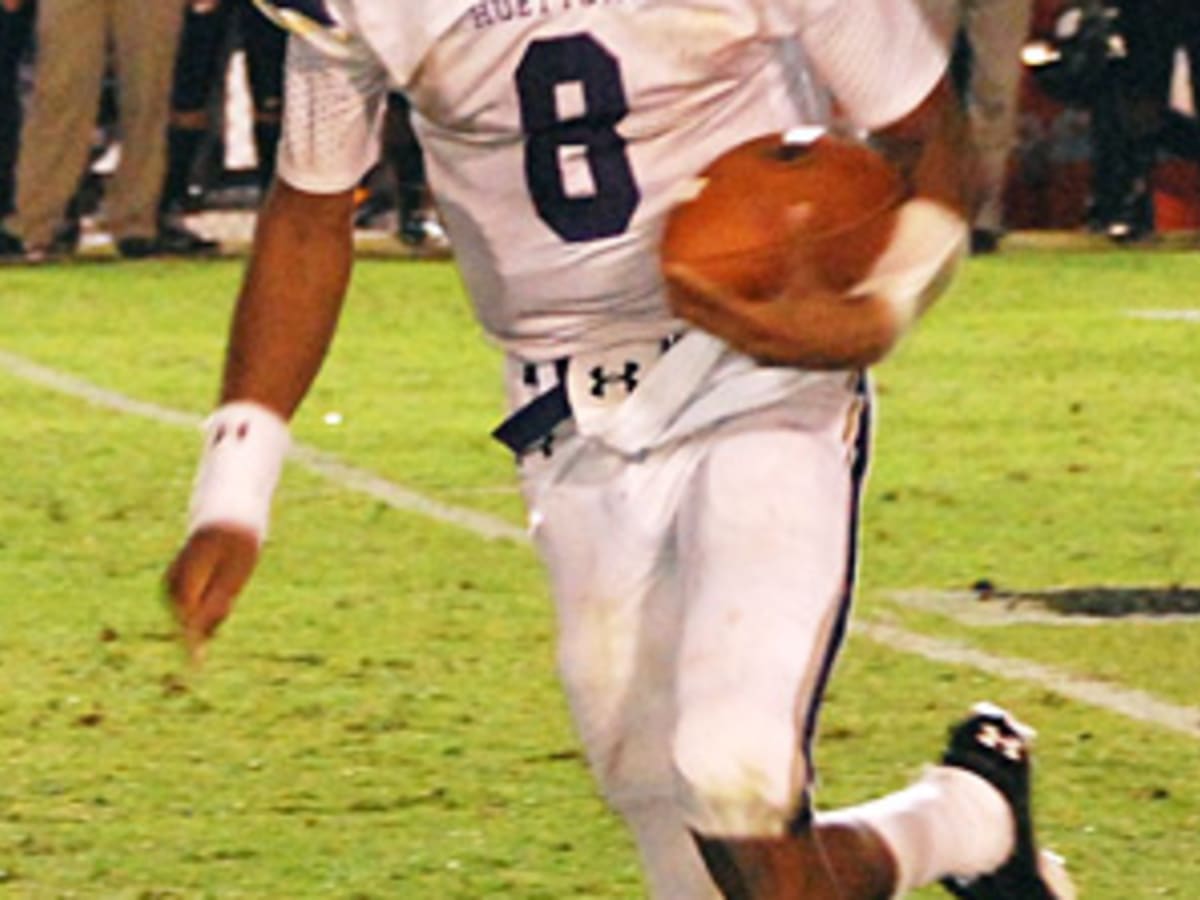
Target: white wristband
{"x": 926, "y": 246}
{"x": 244, "y": 447}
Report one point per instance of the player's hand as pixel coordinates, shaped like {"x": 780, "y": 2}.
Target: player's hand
{"x": 807, "y": 324}
{"x": 205, "y": 578}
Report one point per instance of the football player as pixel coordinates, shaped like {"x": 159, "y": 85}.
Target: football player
{"x": 692, "y": 490}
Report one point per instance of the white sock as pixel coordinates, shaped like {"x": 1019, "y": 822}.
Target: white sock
{"x": 951, "y": 822}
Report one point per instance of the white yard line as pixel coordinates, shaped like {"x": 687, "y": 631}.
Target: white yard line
{"x": 379, "y": 488}
{"x": 316, "y": 461}
{"x": 63, "y": 383}
{"x": 1129, "y": 703}
{"x": 1165, "y": 315}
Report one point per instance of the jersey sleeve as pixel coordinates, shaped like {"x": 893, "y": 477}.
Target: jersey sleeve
{"x": 332, "y": 117}
{"x": 879, "y": 58}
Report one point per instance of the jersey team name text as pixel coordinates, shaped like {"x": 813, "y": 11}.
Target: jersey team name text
{"x": 487, "y": 13}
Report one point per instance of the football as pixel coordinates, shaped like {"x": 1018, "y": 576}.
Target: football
{"x": 805, "y": 191}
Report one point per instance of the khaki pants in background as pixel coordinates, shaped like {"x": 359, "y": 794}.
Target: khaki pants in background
{"x": 74, "y": 40}
{"x": 996, "y": 30}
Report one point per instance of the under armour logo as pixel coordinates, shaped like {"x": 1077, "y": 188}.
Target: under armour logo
{"x": 1009, "y": 745}
{"x": 602, "y": 379}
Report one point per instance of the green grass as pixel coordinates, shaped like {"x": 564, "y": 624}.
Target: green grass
{"x": 1037, "y": 436}
{"x": 380, "y": 717}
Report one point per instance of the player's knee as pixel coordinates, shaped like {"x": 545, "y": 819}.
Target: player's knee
{"x": 738, "y": 774}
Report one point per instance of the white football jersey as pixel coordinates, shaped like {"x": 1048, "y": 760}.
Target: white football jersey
{"x": 558, "y": 133}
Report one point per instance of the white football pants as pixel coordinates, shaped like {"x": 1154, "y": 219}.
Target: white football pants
{"x": 702, "y": 590}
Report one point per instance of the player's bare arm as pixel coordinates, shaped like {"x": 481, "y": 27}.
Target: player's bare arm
{"x": 930, "y": 147}
{"x": 814, "y": 324}
{"x": 285, "y": 318}
{"x": 289, "y": 304}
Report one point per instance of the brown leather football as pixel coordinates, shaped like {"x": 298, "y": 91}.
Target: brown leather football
{"x": 830, "y": 197}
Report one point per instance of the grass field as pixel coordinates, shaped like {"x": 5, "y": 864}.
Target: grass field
{"x": 380, "y": 718}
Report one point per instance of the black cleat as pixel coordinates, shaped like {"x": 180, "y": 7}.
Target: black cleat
{"x": 995, "y": 746}
{"x": 984, "y": 241}
{"x": 64, "y": 243}
{"x": 11, "y": 246}
{"x": 171, "y": 240}
{"x": 175, "y": 239}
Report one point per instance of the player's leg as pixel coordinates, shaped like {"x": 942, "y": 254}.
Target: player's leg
{"x": 197, "y": 74}
{"x": 601, "y": 535}
{"x": 1139, "y": 103}
{"x": 57, "y": 132}
{"x": 404, "y": 154}
{"x": 765, "y": 547}
{"x": 767, "y": 541}
{"x": 987, "y": 749}
{"x": 16, "y": 28}
{"x": 996, "y": 31}
{"x": 145, "y": 37}
{"x": 266, "y": 47}
{"x": 630, "y": 752}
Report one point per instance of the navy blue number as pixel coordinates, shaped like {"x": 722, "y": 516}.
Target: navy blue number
{"x": 576, "y": 60}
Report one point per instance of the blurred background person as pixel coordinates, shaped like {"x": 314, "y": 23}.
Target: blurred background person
{"x": 16, "y": 26}
{"x": 1116, "y": 60}
{"x": 987, "y": 36}
{"x": 74, "y": 39}
{"x": 396, "y": 191}
{"x": 417, "y": 222}
{"x": 1133, "y": 122}
{"x": 211, "y": 31}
